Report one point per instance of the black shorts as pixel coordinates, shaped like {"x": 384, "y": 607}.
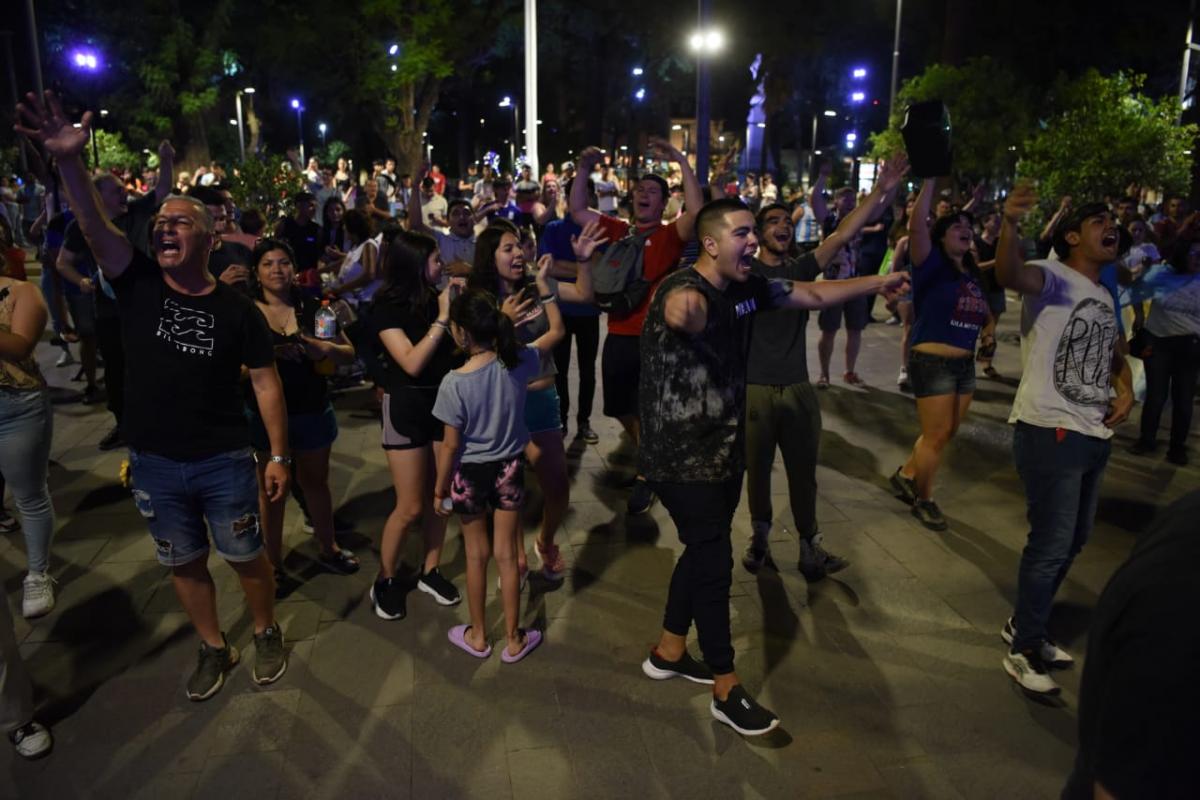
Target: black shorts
{"x": 408, "y": 421}
{"x": 83, "y": 313}
{"x": 856, "y": 313}
{"x": 492, "y": 485}
{"x": 621, "y": 369}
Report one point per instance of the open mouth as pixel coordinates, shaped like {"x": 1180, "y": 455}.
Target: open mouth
{"x": 168, "y": 247}
{"x": 782, "y": 239}
{"x": 1110, "y": 240}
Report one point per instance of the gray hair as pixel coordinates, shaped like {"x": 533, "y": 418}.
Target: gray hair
{"x": 201, "y": 210}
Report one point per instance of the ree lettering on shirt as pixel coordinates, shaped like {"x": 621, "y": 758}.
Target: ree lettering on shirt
{"x": 188, "y": 329}
{"x": 1083, "y": 358}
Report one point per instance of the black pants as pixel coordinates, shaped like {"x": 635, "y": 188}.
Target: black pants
{"x": 1171, "y": 371}
{"x": 108, "y": 339}
{"x": 703, "y": 515}
{"x": 586, "y": 331}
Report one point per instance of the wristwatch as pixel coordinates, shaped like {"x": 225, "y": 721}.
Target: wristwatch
{"x": 285, "y": 460}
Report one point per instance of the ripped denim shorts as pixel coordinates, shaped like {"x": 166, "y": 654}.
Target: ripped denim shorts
{"x": 183, "y": 500}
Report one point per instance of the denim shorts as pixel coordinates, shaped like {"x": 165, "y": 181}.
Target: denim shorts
{"x": 178, "y": 497}
{"x": 479, "y": 487}
{"x": 931, "y": 375}
{"x": 306, "y": 432}
{"x": 542, "y": 410}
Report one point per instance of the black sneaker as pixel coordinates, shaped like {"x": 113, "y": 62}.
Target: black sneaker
{"x": 929, "y": 515}
{"x": 641, "y": 498}
{"x": 388, "y": 598}
{"x": 586, "y": 433}
{"x": 91, "y": 395}
{"x": 211, "y": 667}
{"x": 434, "y": 583}
{"x": 816, "y": 562}
{"x": 285, "y": 584}
{"x": 1177, "y": 457}
{"x": 270, "y": 658}
{"x": 740, "y": 712}
{"x": 112, "y": 440}
{"x": 658, "y": 668}
{"x": 1142, "y": 448}
{"x": 906, "y": 488}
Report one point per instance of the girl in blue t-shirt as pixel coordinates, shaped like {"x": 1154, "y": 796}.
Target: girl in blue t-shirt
{"x": 481, "y": 466}
{"x": 950, "y": 310}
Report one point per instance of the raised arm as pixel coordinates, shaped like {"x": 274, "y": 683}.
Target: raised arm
{"x": 166, "y": 171}
{"x": 578, "y": 201}
{"x": 890, "y": 175}
{"x": 44, "y": 122}
{"x": 586, "y": 253}
{"x": 919, "y": 243}
{"x": 558, "y": 329}
{"x": 693, "y": 195}
{"x": 416, "y": 214}
{"x": 816, "y": 197}
{"x": 1011, "y": 270}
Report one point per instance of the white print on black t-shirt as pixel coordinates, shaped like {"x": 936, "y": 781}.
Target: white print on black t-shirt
{"x": 745, "y": 307}
{"x": 1083, "y": 359}
{"x": 186, "y": 328}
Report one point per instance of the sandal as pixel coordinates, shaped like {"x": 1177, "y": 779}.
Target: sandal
{"x": 823, "y": 382}
{"x": 991, "y": 372}
{"x": 458, "y": 637}
{"x": 853, "y": 379}
{"x": 532, "y": 640}
{"x": 343, "y": 562}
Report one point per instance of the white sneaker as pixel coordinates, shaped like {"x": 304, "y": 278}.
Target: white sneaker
{"x": 1052, "y": 654}
{"x": 37, "y": 600}
{"x": 32, "y": 740}
{"x": 65, "y": 360}
{"x": 902, "y": 378}
{"x": 1028, "y": 670}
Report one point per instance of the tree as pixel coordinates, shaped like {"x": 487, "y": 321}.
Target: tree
{"x": 1105, "y": 134}
{"x": 989, "y": 115}
{"x": 268, "y": 183}
{"x": 113, "y": 152}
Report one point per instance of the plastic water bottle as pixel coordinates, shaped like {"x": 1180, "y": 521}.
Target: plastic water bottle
{"x": 326, "y": 322}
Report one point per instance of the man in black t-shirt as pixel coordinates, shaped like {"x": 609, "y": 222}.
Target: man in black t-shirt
{"x": 1139, "y": 701}
{"x": 303, "y": 233}
{"x": 781, "y": 406}
{"x": 188, "y": 336}
{"x": 692, "y": 393}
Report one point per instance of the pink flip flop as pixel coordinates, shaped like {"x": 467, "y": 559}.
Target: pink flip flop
{"x": 458, "y": 637}
{"x": 532, "y": 640}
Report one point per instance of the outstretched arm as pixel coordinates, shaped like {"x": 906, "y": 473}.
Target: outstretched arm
{"x": 693, "y": 195}
{"x": 816, "y": 198}
{"x": 43, "y": 120}
{"x": 822, "y": 294}
{"x": 166, "y": 171}
{"x": 416, "y": 215}
{"x": 919, "y": 243}
{"x": 890, "y": 175}
{"x": 1011, "y": 270}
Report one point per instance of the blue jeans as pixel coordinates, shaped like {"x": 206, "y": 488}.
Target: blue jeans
{"x": 1062, "y": 488}
{"x": 26, "y": 427}
{"x": 176, "y": 497}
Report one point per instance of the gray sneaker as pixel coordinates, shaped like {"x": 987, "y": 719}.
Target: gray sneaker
{"x": 816, "y": 562}
{"x": 211, "y": 667}
{"x": 270, "y": 659}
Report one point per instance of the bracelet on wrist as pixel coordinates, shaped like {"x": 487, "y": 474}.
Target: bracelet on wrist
{"x": 548, "y": 298}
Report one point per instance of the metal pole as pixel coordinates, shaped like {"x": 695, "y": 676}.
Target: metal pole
{"x": 237, "y": 96}
{"x": 812, "y": 158}
{"x": 702, "y": 98}
{"x": 12, "y": 87}
{"x": 512, "y": 143}
{"x": 300, "y": 128}
{"x": 531, "y": 92}
{"x": 1187, "y": 60}
{"x": 895, "y": 60}
{"x": 34, "y": 50}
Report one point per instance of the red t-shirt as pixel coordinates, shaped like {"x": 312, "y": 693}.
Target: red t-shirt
{"x": 663, "y": 251}
{"x": 439, "y": 182}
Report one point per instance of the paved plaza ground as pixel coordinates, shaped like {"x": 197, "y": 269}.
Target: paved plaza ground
{"x": 887, "y": 677}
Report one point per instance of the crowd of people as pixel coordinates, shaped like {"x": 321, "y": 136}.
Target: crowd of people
{"x": 219, "y": 331}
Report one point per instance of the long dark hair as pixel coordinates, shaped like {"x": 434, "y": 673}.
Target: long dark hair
{"x": 264, "y": 246}
{"x": 476, "y": 312}
{"x": 938, "y": 236}
{"x": 332, "y": 234}
{"x": 483, "y": 271}
{"x": 404, "y": 281}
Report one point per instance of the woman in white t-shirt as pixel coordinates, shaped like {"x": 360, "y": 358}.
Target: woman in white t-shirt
{"x": 1173, "y": 354}
{"x": 358, "y": 279}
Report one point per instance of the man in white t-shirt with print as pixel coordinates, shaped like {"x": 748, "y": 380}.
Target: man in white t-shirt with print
{"x": 1064, "y": 413}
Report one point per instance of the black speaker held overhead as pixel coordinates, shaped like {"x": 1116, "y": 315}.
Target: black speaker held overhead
{"x": 926, "y": 132}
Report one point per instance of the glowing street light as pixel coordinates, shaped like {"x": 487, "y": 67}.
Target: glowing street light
{"x": 637, "y": 71}
{"x": 858, "y": 97}
{"x": 299, "y": 126}
{"x": 393, "y": 50}
{"x": 709, "y": 41}
{"x": 508, "y": 102}
{"x": 851, "y": 137}
{"x": 706, "y": 42}
{"x": 859, "y": 73}
{"x": 830, "y": 112}
{"x": 321, "y": 128}
{"x": 640, "y": 94}
{"x": 237, "y": 100}
{"x": 85, "y": 60}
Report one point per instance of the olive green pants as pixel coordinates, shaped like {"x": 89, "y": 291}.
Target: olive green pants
{"x": 787, "y": 418}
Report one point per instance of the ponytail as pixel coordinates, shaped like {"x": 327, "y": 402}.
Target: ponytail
{"x": 476, "y": 312}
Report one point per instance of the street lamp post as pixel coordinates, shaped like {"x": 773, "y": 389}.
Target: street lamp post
{"x": 321, "y": 128}
{"x": 508, "y": 102}
{"x": 895, "y": 60}
{"x": 300, "y": 127}
{"x": 705, "y": 42}
{"x": 237, "y": 99}
{"x": 86, "y": 61}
